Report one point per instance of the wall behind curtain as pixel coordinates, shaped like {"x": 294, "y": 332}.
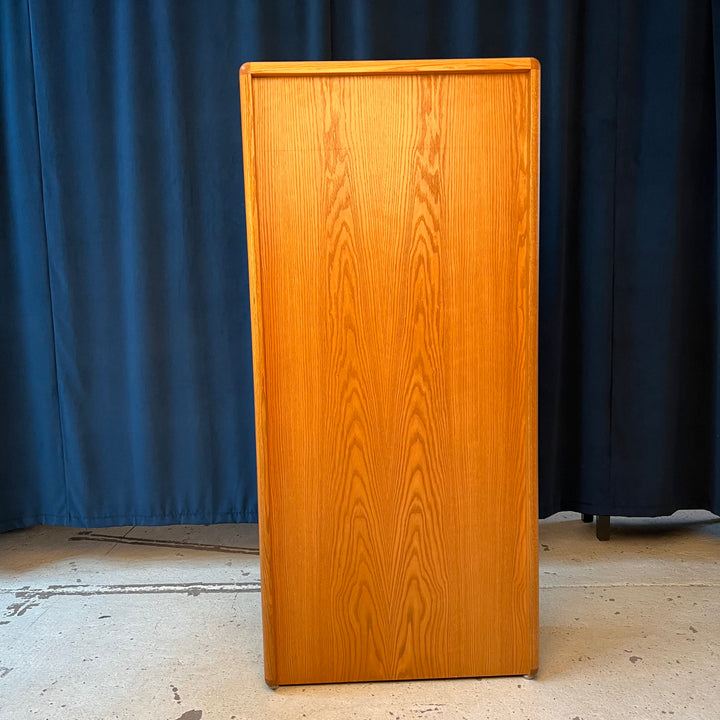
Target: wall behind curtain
{"x": 125, "y": 367}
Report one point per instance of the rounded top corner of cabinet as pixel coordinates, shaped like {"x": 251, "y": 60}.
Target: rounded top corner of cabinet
{"x": 534, "y": 63}
{"x": 245, "y": 69}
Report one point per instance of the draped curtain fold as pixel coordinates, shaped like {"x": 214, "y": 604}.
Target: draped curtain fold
{"x": 125, "y": 364}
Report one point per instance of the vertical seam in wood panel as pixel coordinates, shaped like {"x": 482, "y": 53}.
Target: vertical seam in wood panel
{"x": 259, "y": 374}
{"x": 532, "y": 364}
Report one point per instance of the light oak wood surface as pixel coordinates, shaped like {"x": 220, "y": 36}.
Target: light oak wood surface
{"x": 392, "y": 216}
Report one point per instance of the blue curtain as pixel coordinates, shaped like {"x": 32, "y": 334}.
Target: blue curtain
{"x": 32, "y": 479}
{"x": 125, "y": 366}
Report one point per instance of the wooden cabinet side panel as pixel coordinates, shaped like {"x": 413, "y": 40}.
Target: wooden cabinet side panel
{"x": 260, "y": 398}
{"x": 396, "y": 247}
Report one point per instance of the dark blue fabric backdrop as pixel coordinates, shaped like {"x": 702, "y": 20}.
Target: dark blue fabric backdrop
{"x": 125, "y": 367}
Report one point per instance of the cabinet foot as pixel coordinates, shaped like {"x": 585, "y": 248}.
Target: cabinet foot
{"x": 602, "y": 527}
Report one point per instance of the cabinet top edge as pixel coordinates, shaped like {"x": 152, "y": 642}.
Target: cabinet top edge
{"x": 385, "y": 67}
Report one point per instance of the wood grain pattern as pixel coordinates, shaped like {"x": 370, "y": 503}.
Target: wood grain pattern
{"x": 392, "y": 233}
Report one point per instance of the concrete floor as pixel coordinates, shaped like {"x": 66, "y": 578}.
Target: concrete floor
{"x": 164, "y": 624}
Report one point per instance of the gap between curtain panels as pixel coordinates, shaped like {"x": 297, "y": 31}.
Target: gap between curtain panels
{"x": 47, "y": 266}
